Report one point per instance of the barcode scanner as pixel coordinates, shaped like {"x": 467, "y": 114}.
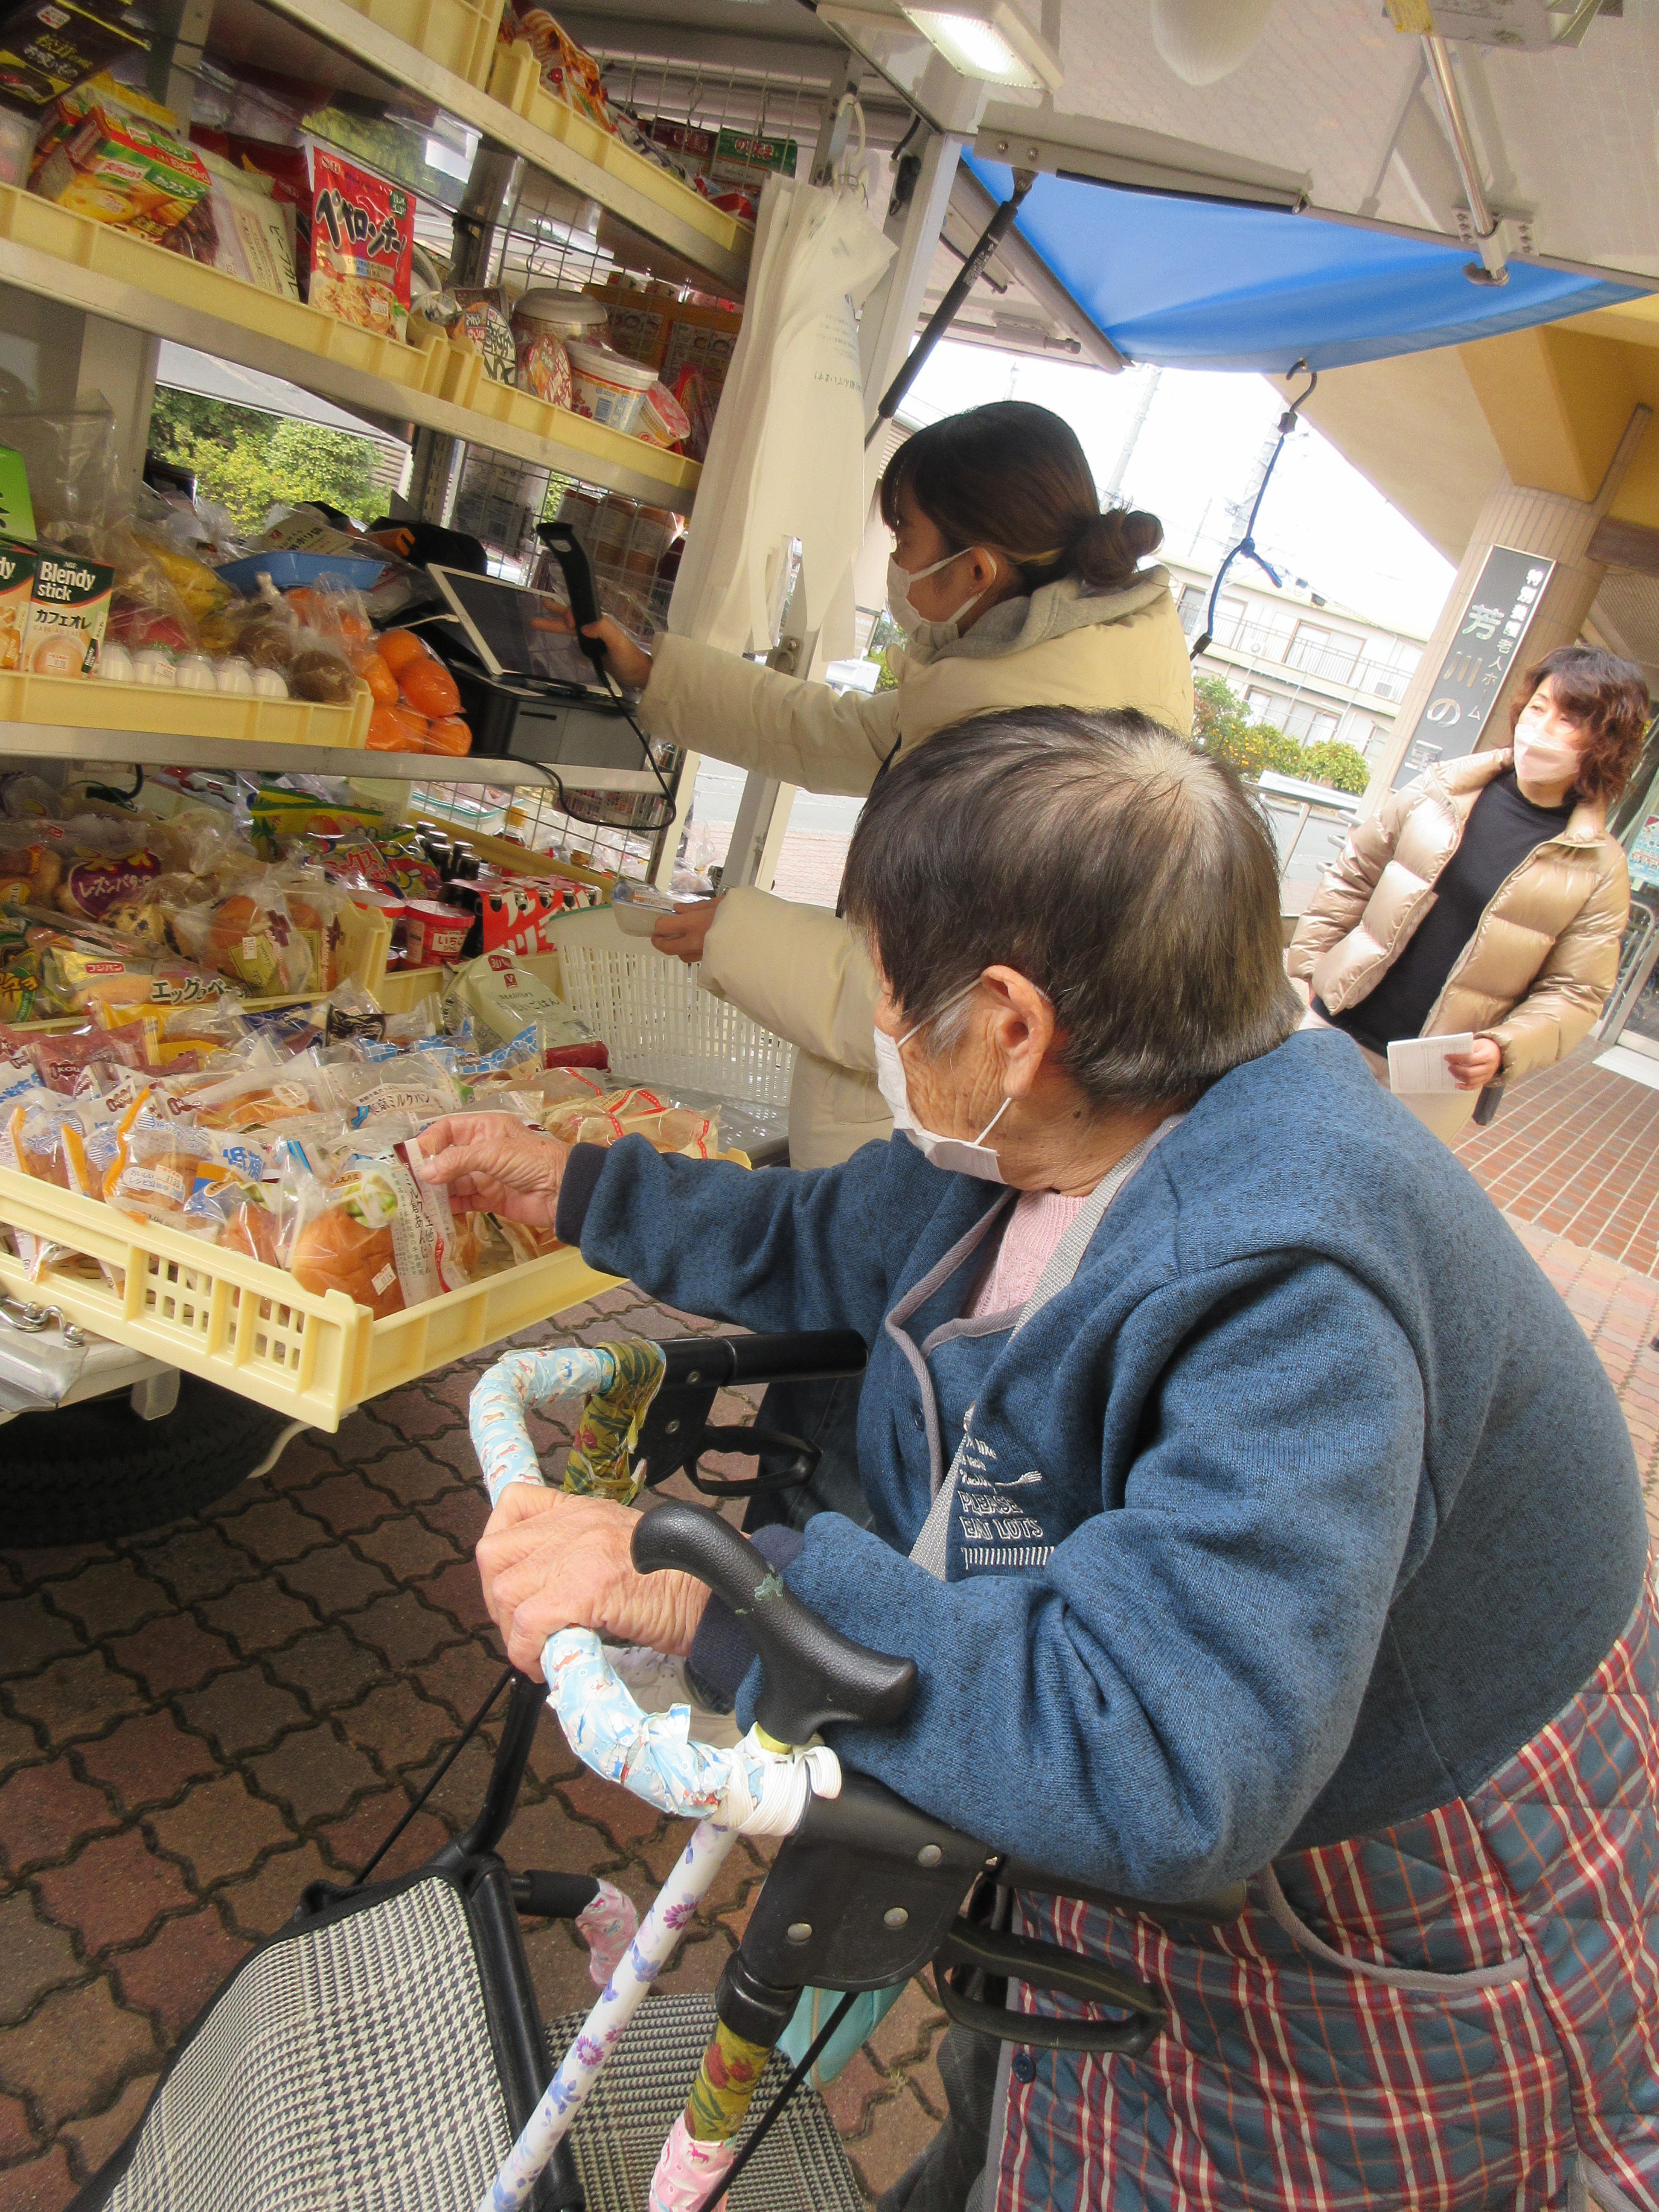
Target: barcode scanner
{"x": 568, "y": 550}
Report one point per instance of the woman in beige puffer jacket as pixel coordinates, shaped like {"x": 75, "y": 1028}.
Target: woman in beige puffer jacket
{"x": 1017, "y": 592}
{"x": 1534, "y": 971}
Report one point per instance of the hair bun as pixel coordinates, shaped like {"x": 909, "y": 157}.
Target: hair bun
{"x": 1110, "y": 546}
{"x": 1143, "y": 533}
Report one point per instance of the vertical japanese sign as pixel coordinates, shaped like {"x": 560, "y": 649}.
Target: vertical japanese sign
{"x": 1478, "y": 660}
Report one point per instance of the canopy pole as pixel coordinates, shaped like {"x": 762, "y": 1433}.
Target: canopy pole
{"x": 1492, "y": 268}
{"x": 951, "y": 306}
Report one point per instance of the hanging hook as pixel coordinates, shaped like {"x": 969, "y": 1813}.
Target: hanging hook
{"x": 1246, "y": 545}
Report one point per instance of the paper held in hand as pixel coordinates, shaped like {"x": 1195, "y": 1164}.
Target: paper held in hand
{"x": 1418, "y": 1064}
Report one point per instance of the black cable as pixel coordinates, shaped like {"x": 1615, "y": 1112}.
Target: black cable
{"x": 454, "y": 1752}
{"x": 1246, "y": 545}
{"x": 754, "y": 2141}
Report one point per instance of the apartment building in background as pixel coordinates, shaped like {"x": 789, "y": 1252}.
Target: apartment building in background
{"x": 1314, "y": 669}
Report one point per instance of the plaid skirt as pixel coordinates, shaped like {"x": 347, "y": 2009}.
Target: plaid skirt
{"x": 1459, "y": 2012}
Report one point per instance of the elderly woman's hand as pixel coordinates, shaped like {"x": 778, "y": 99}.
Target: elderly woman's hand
{"x": 549, "y": 1561}
{"x": 492, "y": 1163}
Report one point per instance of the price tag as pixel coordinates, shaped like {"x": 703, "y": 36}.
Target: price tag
{"x": 382, "y": 1283}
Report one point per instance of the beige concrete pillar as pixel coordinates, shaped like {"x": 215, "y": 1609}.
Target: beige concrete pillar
{"x": 1547, "y": 524}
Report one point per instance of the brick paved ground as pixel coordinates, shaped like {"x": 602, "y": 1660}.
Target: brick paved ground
{"x": 1575, "y": 1150}
{"x": 195, "y": 1722}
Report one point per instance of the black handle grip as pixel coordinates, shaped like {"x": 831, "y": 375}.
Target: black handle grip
{"x": 568, "y": 550}
{"x": 727, "y": 1362}
{"x": 813, "y": 1674}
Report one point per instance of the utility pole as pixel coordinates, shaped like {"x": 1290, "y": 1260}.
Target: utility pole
{"x": 1149, "y": 383}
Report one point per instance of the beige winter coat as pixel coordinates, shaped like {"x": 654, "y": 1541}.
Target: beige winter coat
{"x": 796, "y": 968}
{"x": 1545, "y": 954}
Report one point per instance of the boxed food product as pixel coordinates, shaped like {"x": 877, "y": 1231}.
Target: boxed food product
{"x": 16, "y": 590}
{"x": 252, "y": 235}
{"x": 48, "y": 46}
{"x": 362, "y": 234}
{"x": 517, "y": 917}
{"x": 121, "y": 166}
{"x": 69, "y": 613}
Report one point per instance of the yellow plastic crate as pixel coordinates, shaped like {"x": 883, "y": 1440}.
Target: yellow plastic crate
{"x": 516, "y": 82}
{"x": 466, "y": 386}
{"x": 37, "y": 224}
{"x": 459, "y": 35}
{"x": 249, "y": 1327}
{"x": 79, "y": 703}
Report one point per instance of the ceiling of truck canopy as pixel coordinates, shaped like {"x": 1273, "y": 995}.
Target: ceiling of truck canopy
{"x": 1192, "y": 284}
{"x": 1330, "y": 89}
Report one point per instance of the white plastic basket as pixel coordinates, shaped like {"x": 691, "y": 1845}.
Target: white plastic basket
{"x": 659, "y": 1026}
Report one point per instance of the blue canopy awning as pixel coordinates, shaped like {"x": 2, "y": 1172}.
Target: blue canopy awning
{"x": 1194, "y": 283}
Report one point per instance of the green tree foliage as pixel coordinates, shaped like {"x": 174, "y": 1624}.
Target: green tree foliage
{"x": 1331, "y": 762}
{"x": 1221, "y": 726}
{"x": 250, "y": 462}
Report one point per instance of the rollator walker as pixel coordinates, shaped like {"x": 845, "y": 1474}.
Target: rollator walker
{"x": 383, "y": 2051}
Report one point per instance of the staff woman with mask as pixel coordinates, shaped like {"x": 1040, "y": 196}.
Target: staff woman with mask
{"x": 1487, "y": 897}
{"x": 1013, "y": 588}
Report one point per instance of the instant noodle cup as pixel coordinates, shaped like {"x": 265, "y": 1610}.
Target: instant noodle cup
{"x": 608, "y": 386}
{"x": 663, "y": 421}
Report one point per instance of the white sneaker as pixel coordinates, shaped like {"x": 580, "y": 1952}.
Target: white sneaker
{"x": 655, "y": 1681}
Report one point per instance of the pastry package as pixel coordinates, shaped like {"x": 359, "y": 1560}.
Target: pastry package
{"x": 250, "y": 935}
{"x": 384, "y": 1235}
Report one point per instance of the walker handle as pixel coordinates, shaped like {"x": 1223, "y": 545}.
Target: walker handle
{"x": 812, "y": 1673}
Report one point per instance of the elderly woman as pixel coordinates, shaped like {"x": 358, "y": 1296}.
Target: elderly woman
{"x": 1250, "y": 1504}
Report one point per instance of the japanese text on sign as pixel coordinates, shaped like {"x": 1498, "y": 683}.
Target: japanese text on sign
{"x": 1479, "y": 659}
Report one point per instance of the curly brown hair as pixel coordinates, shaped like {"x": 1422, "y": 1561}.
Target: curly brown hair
{"x": 1603, "y": 696}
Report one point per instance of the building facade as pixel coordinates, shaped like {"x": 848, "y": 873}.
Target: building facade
{"x": 1314, "y": 669}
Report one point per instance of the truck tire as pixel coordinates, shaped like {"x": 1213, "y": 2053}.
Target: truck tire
{"x": 88, "y": 1472}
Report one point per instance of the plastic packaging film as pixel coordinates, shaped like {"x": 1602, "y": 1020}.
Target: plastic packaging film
{"x": 607, "y": 1926}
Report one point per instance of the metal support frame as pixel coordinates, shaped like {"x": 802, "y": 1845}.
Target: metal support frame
{"x": 1492, "y": 268}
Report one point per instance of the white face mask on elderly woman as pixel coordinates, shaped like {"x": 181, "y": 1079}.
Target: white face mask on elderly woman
{"x": 954, "y": 1154}
{"x": 916, "y": 626}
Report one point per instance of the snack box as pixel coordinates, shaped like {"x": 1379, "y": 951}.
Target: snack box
{"x": 119, "y": 167}
{"x": 17, "y": 590}
{"x": 516, "y": 917}
{"x": 435, "y": 934}
{"x": 48, "y": 46}
{"x": 68, "y": 611}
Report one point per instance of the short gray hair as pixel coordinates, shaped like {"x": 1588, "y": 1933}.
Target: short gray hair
{"x": 1128, "y": 876}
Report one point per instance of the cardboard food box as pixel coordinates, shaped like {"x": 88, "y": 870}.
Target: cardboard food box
{"x": 46, "y": 47}
{"x": 68, "y": 610}
{"x": 17, "y": 589}
{"x": 363, "y": 237}
{"x": 517, "y": 917}
{"x": 119, "y": 166}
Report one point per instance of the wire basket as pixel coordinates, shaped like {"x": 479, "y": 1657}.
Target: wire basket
{"x": 659, "y": 1026}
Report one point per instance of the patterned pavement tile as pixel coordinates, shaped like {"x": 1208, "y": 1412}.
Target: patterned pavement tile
{"x": 195, "y": 1722}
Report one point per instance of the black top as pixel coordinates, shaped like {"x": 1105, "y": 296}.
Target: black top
{"x": 1502, "y": 830}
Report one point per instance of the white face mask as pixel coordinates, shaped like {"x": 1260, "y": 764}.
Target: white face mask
{"x": 954, "y": 1154}
{"x": 1541, "y": 759}
{"x": 916, "y": 626}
